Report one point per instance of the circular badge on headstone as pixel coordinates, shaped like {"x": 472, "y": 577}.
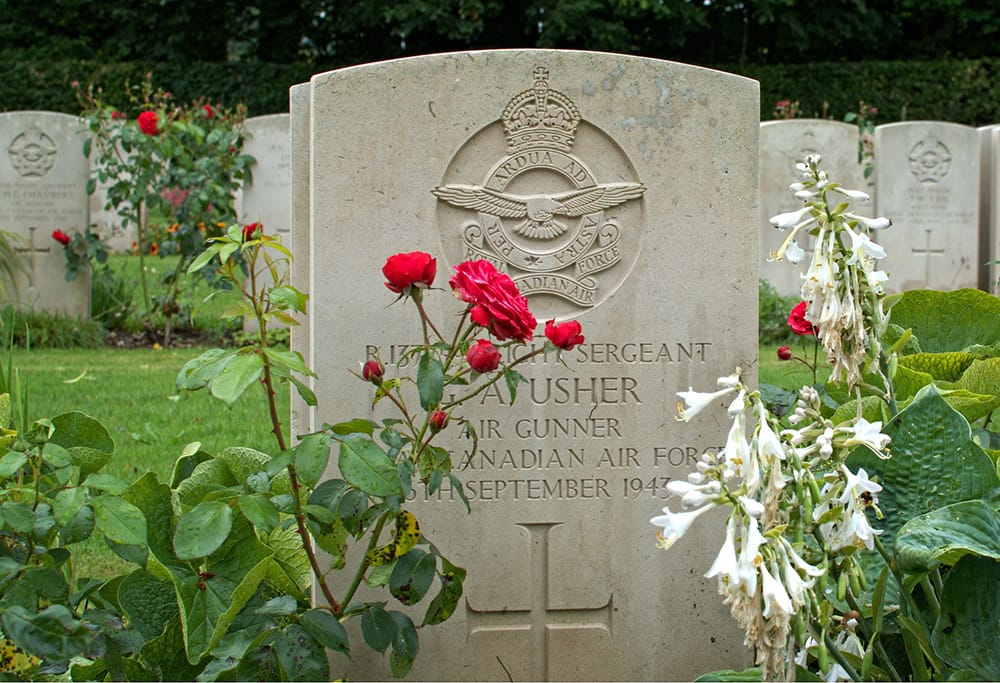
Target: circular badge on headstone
{"x": 32, "y": 153}
{"x": 930, "y": 160}
{"x": 554, "y": 202}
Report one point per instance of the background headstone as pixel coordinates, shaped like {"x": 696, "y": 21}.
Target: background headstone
{"x": 300, "y": 160}
{"x": 989, "y": 207}
{"x": 43, "y": 187}
{"x": 564, "y": 579}
{"x": 267, "y": 197}
{"x": 927, "y": 183}
{"x": 782, "y": 145}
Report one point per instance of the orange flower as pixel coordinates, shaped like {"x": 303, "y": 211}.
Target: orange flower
{"x": 174, "y": 228}
{"x": 135, "y": 246}
{"x": 154, "y": 248}
{"x": 201, "y": 227}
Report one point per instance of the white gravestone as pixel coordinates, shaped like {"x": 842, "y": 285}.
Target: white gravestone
{"x": 989, "y": 207}
{"x": 927, "y": 183}
{"x": 43, "y": 188}
{"x": 266, "y": 198}
{"x": 300, "y": 160}
{"x": 564, "y": 579}
{"x": 783, "y": 144}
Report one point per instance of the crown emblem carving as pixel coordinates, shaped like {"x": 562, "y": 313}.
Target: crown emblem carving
{"x": 540, "y": 118}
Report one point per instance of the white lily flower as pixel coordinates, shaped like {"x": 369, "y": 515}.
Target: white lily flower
{"x": 696, "y": 401}
{"x": 880, "y": 223}
{"x": 775, "y": 596}
{"x": 753, "y": 507}
{"x": 797, "y": 560}
{"x": 726, "y": 566}
{"x": 769, "y": 446}
{"x": 853, "y": 194}
{"x": 738, "y": 404}
{"x": 805, "y": 195}
{"x": 790, "y": 219}
{"x": 794, "y": 253}
{"x": 749, "y": 557}
{"x": 796, "y": 187}
{"x": 862, "y": 245}
{"x": 676, "y": 524}
{"x": 857, "y": 486}
{"x": 868, "y": 434}
{"x": 876, "y": 278}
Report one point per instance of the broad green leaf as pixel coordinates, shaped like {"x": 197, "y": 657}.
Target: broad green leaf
{"x": 944, "y": 536}
{"x": 236, "y": 376}
{"x": 53, "y": 633}
{"x": 80, "y": 527}
{"x": 286, "y": 297}
{"x": 972, "y": 406}
{"x": 87, "y": 440}
{"x": 947, "y": 366}
{"x": 981, "y": 377}
{"x": 167, "y": 655}
{"x": 282, "y": 605}
{"x": 311, "y": 457}
{"x": 11, "y": 463}
{"x": 327, "y": 629}
{"x": 444, "y": 603}
{"x": 202, "y": 530}
{"x": 292, "y": 360}
{"x": 908, "y": 382}
{"x": 405, "y": 645}
{"x": 108, "y": 483}
{"x": 949, "y": 321}
{"x": 301, "y": 657}
{"x": 209, "y": 604}
{"x": 153, "y": 499}
{"x": 412, "y": 576}
{"x": 967, "y": 630}
{"x": 260, "y": 511}
{"x": 290, "y": 571}
{"x": 211, "y": 475}
{"x": 67, "y": 503}
{"x": 119, "y": 520}
{"x": 367, "y": 467}
{"x": 430, "y": 381}
{"x": 377, "y": 627}
{"x": 871, "y": 410}
{"x": 148, "y": 603}
{"x": 198, "y": 372}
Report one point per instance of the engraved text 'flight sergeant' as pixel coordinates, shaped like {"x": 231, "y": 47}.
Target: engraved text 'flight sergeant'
{"x": 539, "y": 210}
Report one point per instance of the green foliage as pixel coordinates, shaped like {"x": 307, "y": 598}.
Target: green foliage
{"x": 773, "y": 310}
{"x": 45, "y": 330}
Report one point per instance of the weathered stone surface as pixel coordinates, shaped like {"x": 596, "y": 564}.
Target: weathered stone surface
{"x": 565, "y": 581}
{"x": 43, "y": 187}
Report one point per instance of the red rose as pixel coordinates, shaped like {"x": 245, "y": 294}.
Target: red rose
{"x": 438, "y": 420}
{"x": 209, "y": 112}
{"x": 483, "y": 357}
{"x": 148, "y": 122}
{"x": 496, "y": 302}
{"x": 564, "y": 335}
{"x": 61, "y": 237}
{"x": 250, "y": 230}
{"x": 784, "y": 353}
{"x": 115, "y": 115}
{"x": 797, "y": 320}
{"x": 415, "y": 269}
{"x": 372, "y": 371}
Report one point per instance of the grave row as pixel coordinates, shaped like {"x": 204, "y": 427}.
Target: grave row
{"x": 935, "y": 180}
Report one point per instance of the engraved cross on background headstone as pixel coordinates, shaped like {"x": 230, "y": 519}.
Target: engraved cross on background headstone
{"x": 539, "y": 618}
{"x": 927, "y": 252}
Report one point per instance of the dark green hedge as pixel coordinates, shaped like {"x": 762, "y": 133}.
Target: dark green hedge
{"x": 959, "y": 91}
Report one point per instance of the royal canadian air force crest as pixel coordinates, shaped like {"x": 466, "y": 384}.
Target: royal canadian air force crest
{"x": 543, "y": 216}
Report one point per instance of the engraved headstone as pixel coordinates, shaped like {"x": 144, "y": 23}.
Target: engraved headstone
{"x": 927, "y": 180}
{"x": 783, "y": 144}
{"x": 300, "y": 160}
{"x": 448, "y": 154}
{"x": 43, "y": 188}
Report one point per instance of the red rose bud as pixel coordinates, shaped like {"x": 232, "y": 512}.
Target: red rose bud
{"x": 438, "y": 420}
{"x": 115, "y": 115}
{"x": 414, "y": 269}
{"x": 372, "y": 371}
{"x": 148, "y": 122}
{"x": 784, "y": 353}
{"x": 564, "y": 335}
{"x": 249, "y": 231}
{"x": 483, "y": 357}
{"x": 797, "y": 320}
{"x": 61, "y": 237}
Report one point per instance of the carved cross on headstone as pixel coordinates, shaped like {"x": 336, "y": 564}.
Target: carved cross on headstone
{"x": 539, "y": 618}
{"x": 927, "y": 252}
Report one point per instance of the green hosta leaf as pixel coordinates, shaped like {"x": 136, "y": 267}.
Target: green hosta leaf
{"x": 53, "y": 633}
{"x": 949, "y": 321}
{"x": 430, "y": 381}
{"x": 167, "y": 655}
{"x": 981, "y": 377}
{"x": 87, "y": 440}
{"x": 972, "y": 406}
{"x": 301, "y": 657}
{"x": 444, "y": 603}
{"x": 325, "y": 628}
{"x": 209, "y": 604}
{"x": 119, "y": 520}
{"x": 290, "y": 572}
{"x": 946, "y": 366}
{"x": 944, "y": 536}
{"x": 908, "y": 382}
{"x": 148, "y": 603}
{"x": 236, "y": 376}
{"x": 412, "y": 576}
{"x": 967, "y": 629}
{"x": 871, "y": 410}
{"x": 367, "y": 467}
{"x": 311, "y": 457}
{"x": 201, "y": 531}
